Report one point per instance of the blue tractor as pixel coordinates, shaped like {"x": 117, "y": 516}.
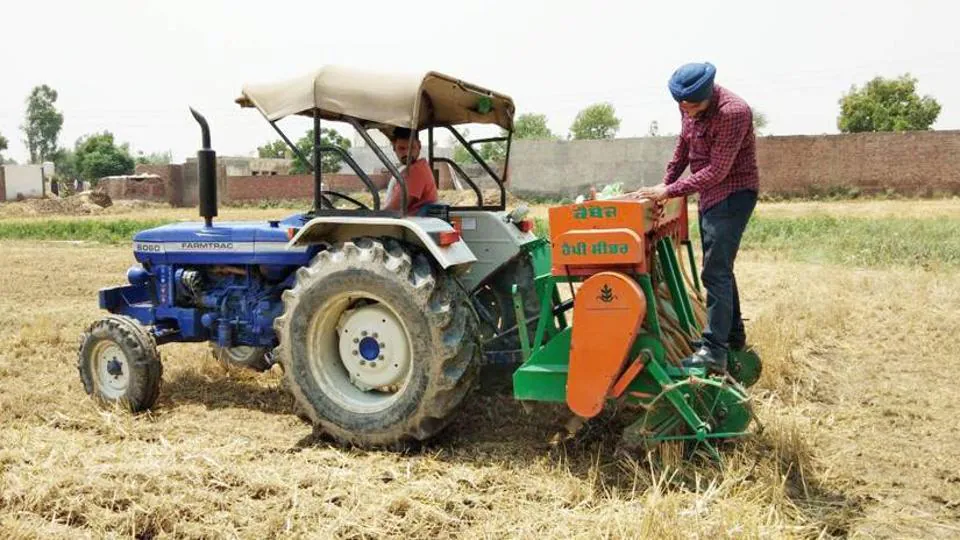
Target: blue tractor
{"x": 377, "y": 318}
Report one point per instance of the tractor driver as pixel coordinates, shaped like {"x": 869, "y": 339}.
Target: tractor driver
{"x": 421, "y": 186}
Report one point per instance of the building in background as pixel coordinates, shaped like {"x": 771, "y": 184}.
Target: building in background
{"x": 23, "y": 182}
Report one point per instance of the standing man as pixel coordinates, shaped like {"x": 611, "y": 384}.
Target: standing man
{"x": 717, "y": 142}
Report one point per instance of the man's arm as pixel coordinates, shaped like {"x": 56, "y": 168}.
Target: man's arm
{"x": 732, "y": 127}
{"x": 681, "y": 158}
{"x": 393, "y": 196}
{"x": 417, "y": 180}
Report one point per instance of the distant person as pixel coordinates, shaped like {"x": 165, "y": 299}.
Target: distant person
{"x": 718, "y": 143}
{"x": 421, "y": 185}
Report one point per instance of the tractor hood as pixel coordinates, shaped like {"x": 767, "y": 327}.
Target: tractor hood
{"x": 242, "y": 242}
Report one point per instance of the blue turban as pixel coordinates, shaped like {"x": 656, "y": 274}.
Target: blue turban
{"x": 693, "y": 82}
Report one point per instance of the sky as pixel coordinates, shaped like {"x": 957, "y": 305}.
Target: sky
{"x": 133, "y": 67}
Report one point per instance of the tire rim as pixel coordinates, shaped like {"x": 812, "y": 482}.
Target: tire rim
{"x": 113, "y": 369}
{"x": 359, "y": 355}
{"x": 238, "y": 354}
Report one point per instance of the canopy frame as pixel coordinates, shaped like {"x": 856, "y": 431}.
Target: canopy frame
{"x": 425, "y": 113}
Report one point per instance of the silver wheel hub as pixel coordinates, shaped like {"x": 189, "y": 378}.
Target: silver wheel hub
{"x": 113, "y": 370}
{"x": 373, "y": 348}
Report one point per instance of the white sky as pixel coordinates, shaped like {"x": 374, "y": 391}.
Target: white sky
{"x": 133, "y": 67}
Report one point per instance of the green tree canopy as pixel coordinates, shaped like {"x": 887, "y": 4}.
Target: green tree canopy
{"x": 887, "y": 105}
{"x": 329, "y": 161}
{"x": 528, "y": 126}
{"x": 42, "y": 123}
{"x": 275, "y": 149}
{"x": 490, "y": 152}
{"x": 97, "y": 155}
{"x": 598, "y": 121}
{"x": 3, "y": 146}
{"x": 65, "y": 162}
{"x": 532, "y": 126}
{"x": 759, "y": 122}
{"x": 155, "y": 158}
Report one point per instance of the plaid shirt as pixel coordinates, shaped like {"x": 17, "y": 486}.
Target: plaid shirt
{"x": 720, "y": 147}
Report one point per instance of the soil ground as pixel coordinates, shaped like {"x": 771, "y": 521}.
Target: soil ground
{"x": 857, "y": 400}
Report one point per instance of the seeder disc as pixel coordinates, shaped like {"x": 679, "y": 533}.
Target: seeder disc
{"x": 744, "y": 366}
{"x": 722, "y": 407}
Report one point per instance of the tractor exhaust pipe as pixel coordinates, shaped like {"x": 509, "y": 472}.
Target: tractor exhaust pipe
{"x": 206, "y": 172}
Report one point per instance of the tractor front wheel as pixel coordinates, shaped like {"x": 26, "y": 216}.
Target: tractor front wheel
{"x": 494, "y": 303}
{"x": 254, "y": 358}
{"x": 378, "y": 348}
{"x": 119, "y": 363}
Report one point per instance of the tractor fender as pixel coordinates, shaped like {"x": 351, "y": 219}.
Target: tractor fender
{"x": 494, "y": 240}
{"x": 413, "y": 230}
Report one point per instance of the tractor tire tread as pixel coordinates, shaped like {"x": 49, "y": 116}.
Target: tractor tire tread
{"x": 448, "y": 325}
{"x": 141, "y": 344}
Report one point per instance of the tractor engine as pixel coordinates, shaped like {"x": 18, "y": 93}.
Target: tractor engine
{"x": 239, "y": 303}
{"x": 231, "y": 305}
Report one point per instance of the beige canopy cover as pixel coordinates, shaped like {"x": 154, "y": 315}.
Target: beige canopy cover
{"x": 381, "y": 100}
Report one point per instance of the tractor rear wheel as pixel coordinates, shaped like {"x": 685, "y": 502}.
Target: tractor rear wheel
{"x": 378, "y": 348}
{"x": 119, "y": 363}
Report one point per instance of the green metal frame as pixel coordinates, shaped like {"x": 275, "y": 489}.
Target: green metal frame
{"x": 680, "y": 404}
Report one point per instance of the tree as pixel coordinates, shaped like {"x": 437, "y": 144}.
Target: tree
{"x": 490, "y": 151}
{"x": 65, "y": 162}
{"x": 97, "y": 155}
{"x": 3, "y": 146}
{"x": 532, "y": 126}
{"x": 598, "y": 121}
{"x": 43, "y": 123}
{"x": 275, "y": 149}
{"x": 759, "y": 122}
{"x": 329, "y": 161}
{"x": 654, "y": 129}
{"x": 155, "y": 158}
{"x": 887, "y": 105}
{"x": 527, "y": 126}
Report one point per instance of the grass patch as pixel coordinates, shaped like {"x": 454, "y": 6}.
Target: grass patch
{"x": 927, "y": 243}
{"x": 117, "y": 231}
{"x": 859, "y": 241}
{"x": 855, "y": 241}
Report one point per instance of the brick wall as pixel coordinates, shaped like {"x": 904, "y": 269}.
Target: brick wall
{"x": 172, "y": 176}
{"x": 143, "y": 188}
{"x": 286, "y": 187}
{"x": 916, "y": 163}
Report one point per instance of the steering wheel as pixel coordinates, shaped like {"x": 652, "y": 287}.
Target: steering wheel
{"x": 344, "y": 197}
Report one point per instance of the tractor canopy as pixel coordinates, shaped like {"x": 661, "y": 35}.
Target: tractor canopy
{"x": 369, "y": 100}
{"x": 381, "y": 100}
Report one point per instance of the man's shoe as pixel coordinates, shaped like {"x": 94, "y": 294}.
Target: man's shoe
{"x": 706, "y": 360}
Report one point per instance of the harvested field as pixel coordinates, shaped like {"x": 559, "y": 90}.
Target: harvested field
{"x": 858, "y": 408}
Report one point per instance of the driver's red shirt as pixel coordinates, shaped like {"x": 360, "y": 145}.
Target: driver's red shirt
{"x": 421, "y": 188}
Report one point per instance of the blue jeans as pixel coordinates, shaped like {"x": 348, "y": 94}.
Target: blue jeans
{"x": 721, "y": 228}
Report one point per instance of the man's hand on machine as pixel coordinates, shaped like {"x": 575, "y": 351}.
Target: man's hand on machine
{"x": 654, "y": 193}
